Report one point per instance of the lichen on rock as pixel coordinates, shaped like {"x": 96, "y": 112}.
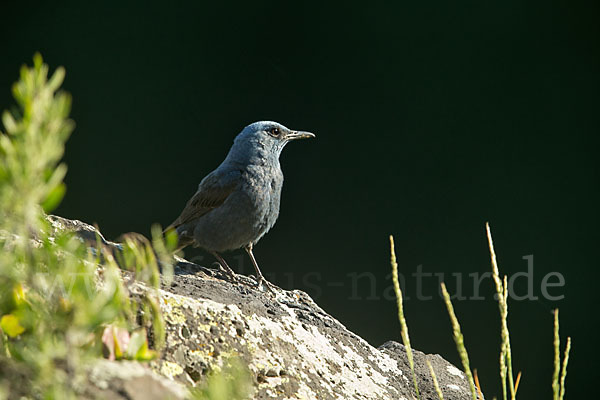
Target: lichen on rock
{"x": 292, "y": 348}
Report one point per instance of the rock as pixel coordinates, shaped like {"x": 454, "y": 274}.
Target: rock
{"x": 292, "y": 347}
{"x": 129, "y": 380}
{"x": 84, "y": 231}
{"x": 452, "y": 381}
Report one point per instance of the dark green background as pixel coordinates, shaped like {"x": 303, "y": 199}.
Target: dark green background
{"x": 431, "y": 118}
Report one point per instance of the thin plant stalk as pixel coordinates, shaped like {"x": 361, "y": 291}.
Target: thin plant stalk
{"x": 555, "y": 381}
{"x": 505, "y": 350}
{"x": 558, "y": 385}
{"x": 563, "y": 373}
{"x": 459, "y": 340}
{"x": 403, "y": 325}
{"x": 435, "y": 381}
{"x": 517, "y": 381}
{"x": 477, "y": 384}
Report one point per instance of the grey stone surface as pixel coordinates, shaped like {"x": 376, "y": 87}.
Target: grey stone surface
{"x": 129, "y": 380}
{"x": 293, "y": 348}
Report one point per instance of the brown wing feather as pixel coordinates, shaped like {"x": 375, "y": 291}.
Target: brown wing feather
{"x": 212, "y": 192}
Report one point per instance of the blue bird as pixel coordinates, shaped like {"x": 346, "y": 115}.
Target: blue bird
{"x": 237, "y": 203}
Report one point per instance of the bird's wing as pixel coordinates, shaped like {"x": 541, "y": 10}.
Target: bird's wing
{"x": 212, "y": 192}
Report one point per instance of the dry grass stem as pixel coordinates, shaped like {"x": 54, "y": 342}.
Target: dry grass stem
{"x": 479, "y": 391}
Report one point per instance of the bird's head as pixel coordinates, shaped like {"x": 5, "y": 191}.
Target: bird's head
{"x": 266, "y": 138}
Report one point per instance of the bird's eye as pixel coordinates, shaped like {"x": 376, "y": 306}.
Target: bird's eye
{"x": 274, "y": 132}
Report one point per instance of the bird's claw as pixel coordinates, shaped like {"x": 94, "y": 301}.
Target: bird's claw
{"x": 229, "y": 272}
{"x": 268, "y": 285}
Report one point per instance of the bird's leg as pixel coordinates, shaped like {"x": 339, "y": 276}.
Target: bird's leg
{"x": 259, "y": 276}
{"x": 224, "y": 266}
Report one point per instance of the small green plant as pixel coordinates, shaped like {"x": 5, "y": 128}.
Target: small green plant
{"x": 55, "y": 301}
{"x": 506, "y": 371}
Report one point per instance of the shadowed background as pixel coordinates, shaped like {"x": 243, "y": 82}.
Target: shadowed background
{"x": 430, "y": 119}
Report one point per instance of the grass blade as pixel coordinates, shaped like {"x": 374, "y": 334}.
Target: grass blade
{"x": 435, "y": 381}
{"x": 460, "y": 342}
{"x": 563, "y": 373}
{"x": 505, "y": 350}
{"x": 403, "y": 325}
{"x": 555, "y": 382}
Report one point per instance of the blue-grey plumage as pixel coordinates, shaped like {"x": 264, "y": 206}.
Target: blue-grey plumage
{"x": 237, "y": 203}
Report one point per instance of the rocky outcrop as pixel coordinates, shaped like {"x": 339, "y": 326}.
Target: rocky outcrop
{"x": 292, "y": 347}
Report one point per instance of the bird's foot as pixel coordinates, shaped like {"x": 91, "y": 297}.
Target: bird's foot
{"x": 229, "y": 272}
{"x": 268, "y": 285}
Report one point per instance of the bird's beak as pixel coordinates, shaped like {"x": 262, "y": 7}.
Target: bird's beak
{"x": 299, "y": 135}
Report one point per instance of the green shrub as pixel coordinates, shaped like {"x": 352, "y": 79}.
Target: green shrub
{"x": 56, "y": 304}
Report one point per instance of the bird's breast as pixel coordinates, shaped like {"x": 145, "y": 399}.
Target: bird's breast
{"x": 263, "y": 187}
